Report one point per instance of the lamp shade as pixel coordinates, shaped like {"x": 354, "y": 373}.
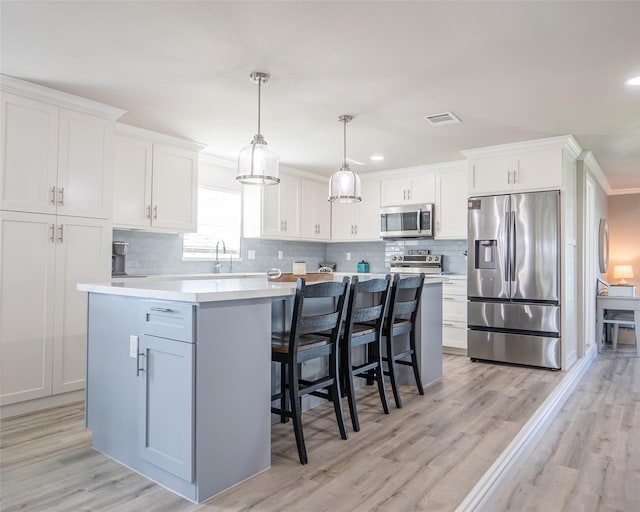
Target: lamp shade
{"x": 344, "y": 186}
{"x": 622, "y": 272}
{"x": 258, "y": 164}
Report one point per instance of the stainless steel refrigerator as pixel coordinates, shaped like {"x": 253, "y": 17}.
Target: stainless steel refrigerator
{"x": 514, "y": 279}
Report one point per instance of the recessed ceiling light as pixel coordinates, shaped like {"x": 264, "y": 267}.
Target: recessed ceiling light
{"x": 634, "y": 81}
{"x": 376, "y": 158}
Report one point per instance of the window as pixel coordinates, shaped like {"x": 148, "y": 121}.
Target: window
{"x": 219, "y": 218}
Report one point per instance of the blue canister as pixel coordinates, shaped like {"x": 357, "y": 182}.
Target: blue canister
{"x": 363, "y": 266}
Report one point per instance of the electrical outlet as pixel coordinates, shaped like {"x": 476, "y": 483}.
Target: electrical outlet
{"x": 348, "y": 256}
{"x": 133, "y": 347}
{"x": 251, "y": 255}
{"x": 279, "y": 255}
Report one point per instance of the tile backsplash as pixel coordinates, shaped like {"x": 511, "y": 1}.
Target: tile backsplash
{"x": 161, "y": 253}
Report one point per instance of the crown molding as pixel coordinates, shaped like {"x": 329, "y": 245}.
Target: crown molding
{"x": 562, "y": 141}
{"x": 59, "y": 98}
{"x": 594, "y": 168}
{"x": 417, "y": 169}
{"x": 624, "y": 191}
{"x": 159, "y": 138}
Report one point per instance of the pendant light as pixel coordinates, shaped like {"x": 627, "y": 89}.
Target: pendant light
{"x": 257, "y": 163}
{"x": 344, "y": 185}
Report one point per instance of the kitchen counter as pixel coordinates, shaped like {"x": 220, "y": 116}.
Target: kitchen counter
{"x": 179, "y": 374}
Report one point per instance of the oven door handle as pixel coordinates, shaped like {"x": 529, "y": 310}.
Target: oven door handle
{"x": 419, "y": 220}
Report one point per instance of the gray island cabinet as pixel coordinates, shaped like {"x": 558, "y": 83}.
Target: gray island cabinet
{"x": 179, "y": 376}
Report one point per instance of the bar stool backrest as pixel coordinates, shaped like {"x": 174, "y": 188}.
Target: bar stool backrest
{"x": 357, "y": 313}
{"x": 331, "y": 317}
{"x": 405, "y": 298}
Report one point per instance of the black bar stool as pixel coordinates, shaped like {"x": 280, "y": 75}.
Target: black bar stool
{"x": 401, "y": 318}
{"x": 363, "y": 328}
{"x": 307, "y": 339}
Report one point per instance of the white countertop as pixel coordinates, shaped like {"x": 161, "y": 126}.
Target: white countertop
{"x": 208, "y": 290}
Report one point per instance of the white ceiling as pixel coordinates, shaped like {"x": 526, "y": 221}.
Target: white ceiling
{"x": 512, "y": 71}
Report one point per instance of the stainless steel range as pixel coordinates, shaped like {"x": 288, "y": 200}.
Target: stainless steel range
{"x": 416, "y": 261}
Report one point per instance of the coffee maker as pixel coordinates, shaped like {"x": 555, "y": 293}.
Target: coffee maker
{"x": 119, "y": 258}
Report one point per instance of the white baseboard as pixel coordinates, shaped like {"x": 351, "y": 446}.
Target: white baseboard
{"x": 489, "y": 488}
{"x": 20, "y": 408}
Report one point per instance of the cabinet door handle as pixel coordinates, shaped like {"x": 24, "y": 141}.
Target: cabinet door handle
{"x": 155, "y": 212}
{"x": 162, "y": 310}
{"x": 52, "y": 234}
{"x": 61, "y": 234}
{"x": 409, "y": 194}
{"x": 138, "y": 369}
{"x": 53, "y": 195}
{"x": 449, "y": 298}
{"x": 61, "y": 196}
{"x": 356, "y": 229}
{"x": 148, "y": 212}
{"x": 448, "y": 324}
{"x": 508, "y": 177}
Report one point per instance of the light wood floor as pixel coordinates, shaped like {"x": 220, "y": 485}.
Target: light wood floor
{"x": 426, "y": 456}
{"x": 589, "y": 459}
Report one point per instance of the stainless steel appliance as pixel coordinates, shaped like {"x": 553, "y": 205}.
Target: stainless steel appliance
{"x": 119, "y": 258}
{"x": 514, "y": 279}
{"x": 415, "y": 262}
{"x": 408, "y": 221}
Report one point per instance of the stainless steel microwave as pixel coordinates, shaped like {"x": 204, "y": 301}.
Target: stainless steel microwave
{"x": 407, "y": 221}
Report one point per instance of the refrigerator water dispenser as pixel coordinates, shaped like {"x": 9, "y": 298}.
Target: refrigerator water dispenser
{"x": 485, "y": 254}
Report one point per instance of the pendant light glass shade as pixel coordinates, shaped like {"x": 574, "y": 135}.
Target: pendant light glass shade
{"x": 258, "y": 164}
{"x": 344, "y": 185}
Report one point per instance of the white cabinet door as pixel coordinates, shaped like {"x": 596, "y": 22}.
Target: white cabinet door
{"x": 368, "y": 212}
{"x": 28, "y": 176}
{"x": 174, "y": 188}
{"x": 85, "y": 166}
{"x": 451, "y": 204}
{"x": 281, "y": 209}
{"x": 395, "y": 191}
{"x": 315, "y": 210}
{"x": 83, "y": 247}
{"x": 27, "y": 258}
{"x": 132, "y": 183}
{"x": 412, "y": 189}
{"x": 343, "y": 221}
{"x": 490, "y": 175}
{"x": 537, "y": 170}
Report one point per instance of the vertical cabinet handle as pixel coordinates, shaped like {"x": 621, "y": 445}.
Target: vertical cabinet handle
{"x": 138, "y": 369}
{"x": 508, "y": 177}
{"x": 52, "y": 233}
{"x": 61, "y": 196}
{"x": 52, "y": 201}
{"x": 61, "y": 233}
{"x": 148, "y": 212}
{"x": 155, "y": 212}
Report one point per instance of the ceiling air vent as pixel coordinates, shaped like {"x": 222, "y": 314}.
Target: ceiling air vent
{"x": 440, "y": 119}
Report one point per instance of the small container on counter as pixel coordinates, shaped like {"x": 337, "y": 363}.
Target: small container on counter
{"x": 299, "y": 268}
{"x": 363, "y": 266}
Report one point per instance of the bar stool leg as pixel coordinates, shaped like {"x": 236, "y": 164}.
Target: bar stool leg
{"x": 392, "y": 371}
{"x": 347, "y": 382}
{"x": 296, "y": 411}
{"x": 414, "y": 362}
{"x": 380, "y": 379}
{"x": 283, "y": 392}
{"x": 336, "y": 397}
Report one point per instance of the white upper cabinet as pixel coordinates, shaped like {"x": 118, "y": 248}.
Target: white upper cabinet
{"x": 272, "y": 211}
{"x": 55, "y": 160}
{"x": 416, "y": 187}
{"x": 155, "y": 185}
{"x": 451, "y": 203}
{"x": 315, "y": 210}
{"x": 520, "y": 167}
{"x": 358, "y": 221}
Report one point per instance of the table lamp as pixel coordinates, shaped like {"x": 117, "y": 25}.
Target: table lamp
{"x": 623, "y": 272}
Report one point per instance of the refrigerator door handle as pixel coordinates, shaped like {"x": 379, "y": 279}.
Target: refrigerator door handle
{"x": 507, "y": 259}
{"x": 512, "y": 248}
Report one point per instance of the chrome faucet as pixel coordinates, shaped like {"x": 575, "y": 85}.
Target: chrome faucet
{"x": 218, "y": 265}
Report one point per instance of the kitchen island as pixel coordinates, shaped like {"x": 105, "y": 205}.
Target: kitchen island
{"x": 179, "y": 375}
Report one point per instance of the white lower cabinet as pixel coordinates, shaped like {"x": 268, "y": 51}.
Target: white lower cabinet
{"x": 43, "y": 316}
{"x": 454, "y": 315}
